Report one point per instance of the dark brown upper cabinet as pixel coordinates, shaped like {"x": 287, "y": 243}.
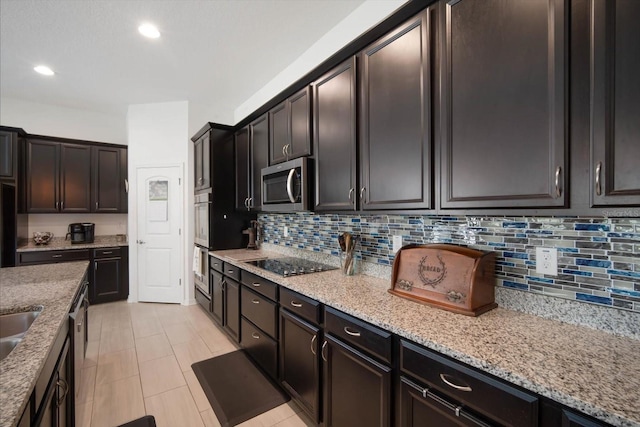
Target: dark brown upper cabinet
{"x": 290, "y": 128}
{"x": 252, "y": 154}
{"x": 504, "y": 104}
{"x": 334, "y": 138}
{"x": 202, "y": 162}
{"x": 109, "y": 179}
{"x": 395, "y": 125}
{"x": 58, "y": 177}
{"x": 615, "y": 103}
{"x": 8, "y": 155}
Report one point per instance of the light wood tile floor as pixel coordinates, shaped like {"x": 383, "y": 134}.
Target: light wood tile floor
{"x": 138, "y": 363}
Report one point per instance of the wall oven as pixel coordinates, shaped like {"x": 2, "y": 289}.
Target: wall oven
{"x": 286, "y": 187}
{"x": 202, "y": 211}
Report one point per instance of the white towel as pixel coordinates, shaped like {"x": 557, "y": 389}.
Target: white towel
{"x": 196, "y": 261}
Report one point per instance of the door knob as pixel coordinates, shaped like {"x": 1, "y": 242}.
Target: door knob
{"x": 140, "y": 242}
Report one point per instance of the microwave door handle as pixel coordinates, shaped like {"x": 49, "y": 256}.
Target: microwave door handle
{"x": 292, "y": 172}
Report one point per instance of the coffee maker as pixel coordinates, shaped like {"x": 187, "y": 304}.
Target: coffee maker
{"x": 81, "y": 232}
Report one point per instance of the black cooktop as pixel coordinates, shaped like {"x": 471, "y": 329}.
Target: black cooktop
{"x": 291, "y": 266}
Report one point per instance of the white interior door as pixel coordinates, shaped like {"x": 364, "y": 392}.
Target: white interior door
{"x": 159, "y": 241}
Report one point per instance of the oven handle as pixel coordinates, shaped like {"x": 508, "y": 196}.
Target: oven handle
{"x": 292, "y": 172}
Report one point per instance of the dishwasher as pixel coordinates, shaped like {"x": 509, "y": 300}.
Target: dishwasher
{"x": 78, "y": 333}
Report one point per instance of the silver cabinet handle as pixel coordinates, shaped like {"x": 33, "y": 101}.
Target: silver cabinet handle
{"x": 351, "y": 190}
{"x": 96, "y": 205}
{"x": 256, "y": 284}
{"x": 598, "y": 188}
{"x": 296, "y": 304}
{"x": 56, "y": 256}
{"x": 450, "y": 384}
{"x": 62, "y": 205}
{"x": 126, "y": 185}
{"x": 255, "y": 301}
{"x": 313, "y": 347}
{"x": 255, "y": 336}
{"x": 322, "y": 352}
{"x": 292, "y": 172}
{"x": 250, "y": 203}
{"x": 284, "y": 147}
{"x": 65, "y": 387}
{"x": 363, "y": 191}
{"x": 350, "y": 332}
{"x": 107, "y": 253}
{"x": 230, "y": 271}
{"x": 558, "y": 190}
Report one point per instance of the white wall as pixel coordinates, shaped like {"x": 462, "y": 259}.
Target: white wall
{"x": 158, "y": 135}
{"x": 358, "y": 22}
{"x": 63, "y": 122}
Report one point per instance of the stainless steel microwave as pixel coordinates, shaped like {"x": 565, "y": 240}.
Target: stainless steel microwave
{"x": 286, "y": 187}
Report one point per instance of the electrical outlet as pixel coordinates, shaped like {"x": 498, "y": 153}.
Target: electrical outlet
{"x": 547, "y": 261}
{"x": 285, "y": 231}
{"x": 397, "y": 243}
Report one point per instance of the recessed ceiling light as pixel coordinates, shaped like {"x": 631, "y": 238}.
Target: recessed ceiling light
{"x": 149, "y": 30}
{"x": 44, "y": 70}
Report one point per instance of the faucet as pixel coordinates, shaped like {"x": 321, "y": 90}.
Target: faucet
{"x": 252, "y": 231}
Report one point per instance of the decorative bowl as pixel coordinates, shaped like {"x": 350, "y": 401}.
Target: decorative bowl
{"x": 42, "y": 237}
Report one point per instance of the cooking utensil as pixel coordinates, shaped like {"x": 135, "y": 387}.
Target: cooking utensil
{"x": 341, "y": 242}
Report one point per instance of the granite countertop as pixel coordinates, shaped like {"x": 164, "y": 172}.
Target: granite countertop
{"x": 53, "y": 287}
{"x": 592, "y": 371}
{"x": 59, "y": 243}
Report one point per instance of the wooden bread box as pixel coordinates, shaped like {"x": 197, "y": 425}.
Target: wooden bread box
{"x": 450, "y": 277}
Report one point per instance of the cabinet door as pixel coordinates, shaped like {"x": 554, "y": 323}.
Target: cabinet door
{"x": 334, "y": 138}
{"x": 503, "y": 104}
{"x": 217, "y": 297}
{"x": 357, "y": 389}
{"x": 300, "y": 111}
{"x": 75, "y": 178}
{"x": 107, "y": 180}
{"x": 42, "y": 176}
{"x": 299, "y": 362}
{"x": 8, "y": 154}
{"x": 124, "y": 180}
{"x": 615, "y": 103}
{"x": 259, "y": 137}
{"x": 243, "y": 174}
{"x": 107, "y": 280}
{"x": 232, "y": 308}
{"x": 279, "y": 132}
{"x": 395, "y": 162}
{"x": 202, "y": 162}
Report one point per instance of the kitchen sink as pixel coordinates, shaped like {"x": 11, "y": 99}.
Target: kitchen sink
{"x": 13, "y": 326}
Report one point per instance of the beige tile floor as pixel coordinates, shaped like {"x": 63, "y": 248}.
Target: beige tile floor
{"x": 139, "y": 362}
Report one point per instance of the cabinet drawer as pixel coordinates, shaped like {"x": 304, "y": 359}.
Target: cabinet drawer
{"x": 202, "y": 299}
{"x": 260, "y": 346}
{"x": 258, "y": 309}
{"x": 260, "y": 285}
{"x": 231, "y": 270}
{"x": 107, "y": 252}
{"x": 215, "y": 264}
{"x": 48, "y": 257}
{"x": 488, "y": 396}
{"x": 304, "y": 307}
{"x": 364, "y": 336}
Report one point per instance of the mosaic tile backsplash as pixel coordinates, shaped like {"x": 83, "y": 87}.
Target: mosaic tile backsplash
{"x": 598, "y": 258}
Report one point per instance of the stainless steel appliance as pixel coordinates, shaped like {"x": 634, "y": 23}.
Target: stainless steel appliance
{"x": 291, "y": 266}
{"x": 78, "y": 331}
{"x": 201, "y": 270}
{"x": 202, "y": 210}
{"x": 286, "y": 187}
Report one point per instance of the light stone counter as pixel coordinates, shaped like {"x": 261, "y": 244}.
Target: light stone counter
{"x": 52, "y": 286}
{"x": 59, "y": 243}
{"x": 592, "y": 371}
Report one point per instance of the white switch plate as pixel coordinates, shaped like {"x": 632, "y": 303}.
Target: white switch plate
{"x": 286, "y": 231}
{"x": 397, "y": 243}
{"x": 547, "y": 261}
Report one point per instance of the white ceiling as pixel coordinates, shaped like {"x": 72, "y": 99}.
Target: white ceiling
{"x": 211, "y": 52}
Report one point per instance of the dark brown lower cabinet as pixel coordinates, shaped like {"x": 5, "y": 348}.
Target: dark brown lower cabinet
{"x": 262, "y": 348}
{"x": 357, "y": 389}
{"x": 110, "y": 281}
{"x": 54, "y": 409}
{"x": 300, "y": 362}
{"x": 217, "y": 297}
{"x": 232, "y": 308}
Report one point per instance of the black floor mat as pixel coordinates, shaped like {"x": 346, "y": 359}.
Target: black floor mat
{"x": 236, "y": 388}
